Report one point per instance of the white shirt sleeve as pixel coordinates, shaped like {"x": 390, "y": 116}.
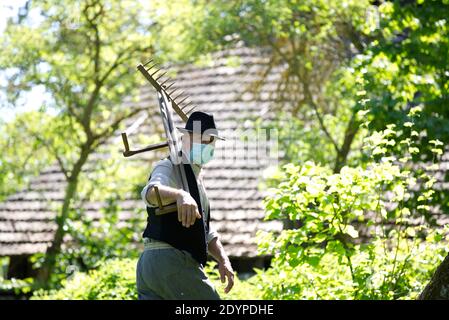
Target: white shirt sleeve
{"x": 212, "y": 234}
{"x": 143, "y": 195}
{"x": 161, "y": 175}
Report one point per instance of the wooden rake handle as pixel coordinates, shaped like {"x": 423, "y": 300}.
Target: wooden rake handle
{"x": 129, "y": 153}
{"x": 171, "y": 208}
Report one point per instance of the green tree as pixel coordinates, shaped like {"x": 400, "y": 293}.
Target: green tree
{"x": 309, "y": 42}
{"x": 334, "y": 59}
{"x": 84, "y": 55}
{"x": 19, "y": 161}
{"x": 408, "y": 66}
{"x": 358, "y": 238}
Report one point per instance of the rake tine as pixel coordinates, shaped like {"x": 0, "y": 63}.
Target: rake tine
{"x": 161, "y": 76}
{"x": 166, "y": 89}
{"x": 170, "y": 94}
{"x": 164, "y": 81}
{"x": 155, "y": 72}
{"x": 151, "y": 67}
{"x": 187, "y": 104}
{"x": 190, "y": 110}
{"x": 148, "y": 62}
{"x": 182, "y": 92}
{"x": 179, "y": 103}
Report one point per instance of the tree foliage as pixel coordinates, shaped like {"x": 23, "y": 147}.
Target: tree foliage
{"x": 20, "y": 161}
{"x": 307, "y": 43}
{"x": 84, "y": 55}
{"x": 408, "y": 66}
{"x": 358, "y": 236}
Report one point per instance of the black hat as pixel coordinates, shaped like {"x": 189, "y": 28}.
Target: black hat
{"x": 203, "y": 121}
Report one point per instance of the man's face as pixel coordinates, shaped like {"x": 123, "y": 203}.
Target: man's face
{"x": 203, "y": 139}
{"x": 198, "y": 154}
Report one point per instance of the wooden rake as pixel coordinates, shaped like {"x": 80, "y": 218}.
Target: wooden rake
{"x": 179, "y": 102}
{"x": 165, "y": 89}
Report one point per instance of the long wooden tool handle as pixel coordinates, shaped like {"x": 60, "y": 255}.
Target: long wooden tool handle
{"x": 167, "y": 209}
{"x": 128, "y": 152}
{"x": 163, "y": 209}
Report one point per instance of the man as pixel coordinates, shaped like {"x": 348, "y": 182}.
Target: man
{"x": 176, "y": 244}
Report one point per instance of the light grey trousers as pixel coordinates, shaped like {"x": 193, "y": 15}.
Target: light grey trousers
{"x": 169, "y": 273}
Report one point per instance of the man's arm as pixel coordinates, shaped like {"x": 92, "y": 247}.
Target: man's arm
{"x": 224, "y": 265}
{"x": 168, "y": 194}
{"x": 187, "y": 207}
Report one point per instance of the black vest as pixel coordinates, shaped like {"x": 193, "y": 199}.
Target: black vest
{"x": 167, "y": 228}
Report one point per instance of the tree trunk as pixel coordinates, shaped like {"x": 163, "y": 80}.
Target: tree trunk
{"x": 438, "y": 287}
{"x": 342, "y": 154}
{"x": 55, "y": 248}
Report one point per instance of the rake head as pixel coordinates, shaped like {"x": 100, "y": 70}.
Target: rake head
{"x": 164, "y": 86}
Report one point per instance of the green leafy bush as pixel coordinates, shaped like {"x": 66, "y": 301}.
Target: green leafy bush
{"x": 18, "y": 287}
{"x": 326, "y": 257}
{"x": 116, "y": 280}
{"x": 249, "y": 289}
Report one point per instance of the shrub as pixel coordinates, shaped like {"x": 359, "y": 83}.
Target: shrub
{"x": 116, "y": 280}
{"x": 249, "y": 289}
{"x": 325, "y": 257}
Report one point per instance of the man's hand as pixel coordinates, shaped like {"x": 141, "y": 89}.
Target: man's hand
{"x": 224, "y": 265}
{"x": 225, "y": 269}
{"x": 187, "y": 209}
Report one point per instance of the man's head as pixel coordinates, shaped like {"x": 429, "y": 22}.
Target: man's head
{"x": 198, "y": 140}
{"x": 198, "y": 148}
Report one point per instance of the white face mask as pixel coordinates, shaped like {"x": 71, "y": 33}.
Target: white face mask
{"x": 201, "y": 153}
